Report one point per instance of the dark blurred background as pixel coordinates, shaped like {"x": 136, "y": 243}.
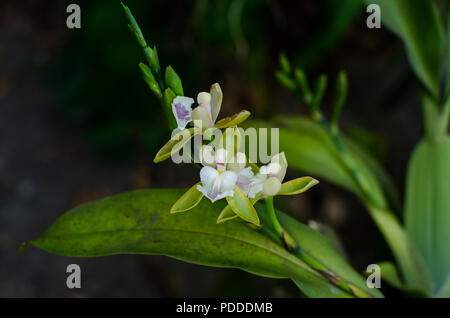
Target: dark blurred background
{"x": 77, "y": 123}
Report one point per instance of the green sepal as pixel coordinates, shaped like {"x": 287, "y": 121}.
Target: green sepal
{"x": 297, "y": 186}
{"x": 242, "y": 206}
{"x": 188, "y": 200}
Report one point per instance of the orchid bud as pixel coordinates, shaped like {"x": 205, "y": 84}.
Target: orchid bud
{"x": 271, "y": 187}
{"x": 204, "y": 98}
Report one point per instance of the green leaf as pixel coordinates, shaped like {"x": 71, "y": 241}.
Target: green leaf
{"x": 175, "y": 144}
{"x": 188, "y": 201}
{"x": 134, "y": 27}
{"x": 406, "y": 254}
{"x": 444, "y": 292}
{"x": 242, "y": 206}
{"x": 173, "y": 81}
{"x": 233, "y": 120}
{"x": 448, "y": 51}
{"x": 417, "y": 23}
{"x": 139, "y": 222}
{"x": 317, "y": 246}
{"x": 390, "y": 274}
{"x": 427, "y": 205}
{"x": 297, "y": 186}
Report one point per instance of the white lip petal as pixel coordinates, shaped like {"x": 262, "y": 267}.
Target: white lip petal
{"x": 216, "y": 186}
{"x": 244, "y": 179}
{"x": 228, "y": 180}
{"x": 181, "y": 108}
{"x": 207, "y": 176}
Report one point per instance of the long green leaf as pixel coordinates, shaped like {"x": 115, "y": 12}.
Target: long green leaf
{"x": 427, "y": 207}
{"x": 417, "y": 23}
{"x": 139, "y": 222}
{"x": 311, "y": 150}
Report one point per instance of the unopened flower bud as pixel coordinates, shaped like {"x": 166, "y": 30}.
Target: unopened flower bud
{"x": 271, "y": 187}
{"x": 203, "y": 98}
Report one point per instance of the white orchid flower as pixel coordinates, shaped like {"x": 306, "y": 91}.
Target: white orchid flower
{"x": 217, "y": 183}
{"x": 269, "y": 178}
{"x": 209, "y": 105}
{"x": 206, "y": 112}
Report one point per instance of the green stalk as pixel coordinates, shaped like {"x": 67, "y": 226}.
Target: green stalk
{"x": 444, "y": 118}
{"x": 151, "y": 55}
{"x": 281, "y": 235}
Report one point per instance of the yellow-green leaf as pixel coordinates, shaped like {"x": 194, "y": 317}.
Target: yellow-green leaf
{"x": 187, "y": 201}
{"x": 297, "y": 186}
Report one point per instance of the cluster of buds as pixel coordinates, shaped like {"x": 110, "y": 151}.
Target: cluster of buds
{"x": 226, "y": 172}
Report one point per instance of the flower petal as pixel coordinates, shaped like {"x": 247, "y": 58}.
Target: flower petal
{"x": 216, "y": 101}
{"x": 228, "y": 181}
{"x": 207, "y": 176}
{"x": 256, "y": 185}
{"x": 244, "y": 180}
{"x": 281, "y": 160}
{"x": 181, "y": 108}
{"x": 202, "y": 114}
